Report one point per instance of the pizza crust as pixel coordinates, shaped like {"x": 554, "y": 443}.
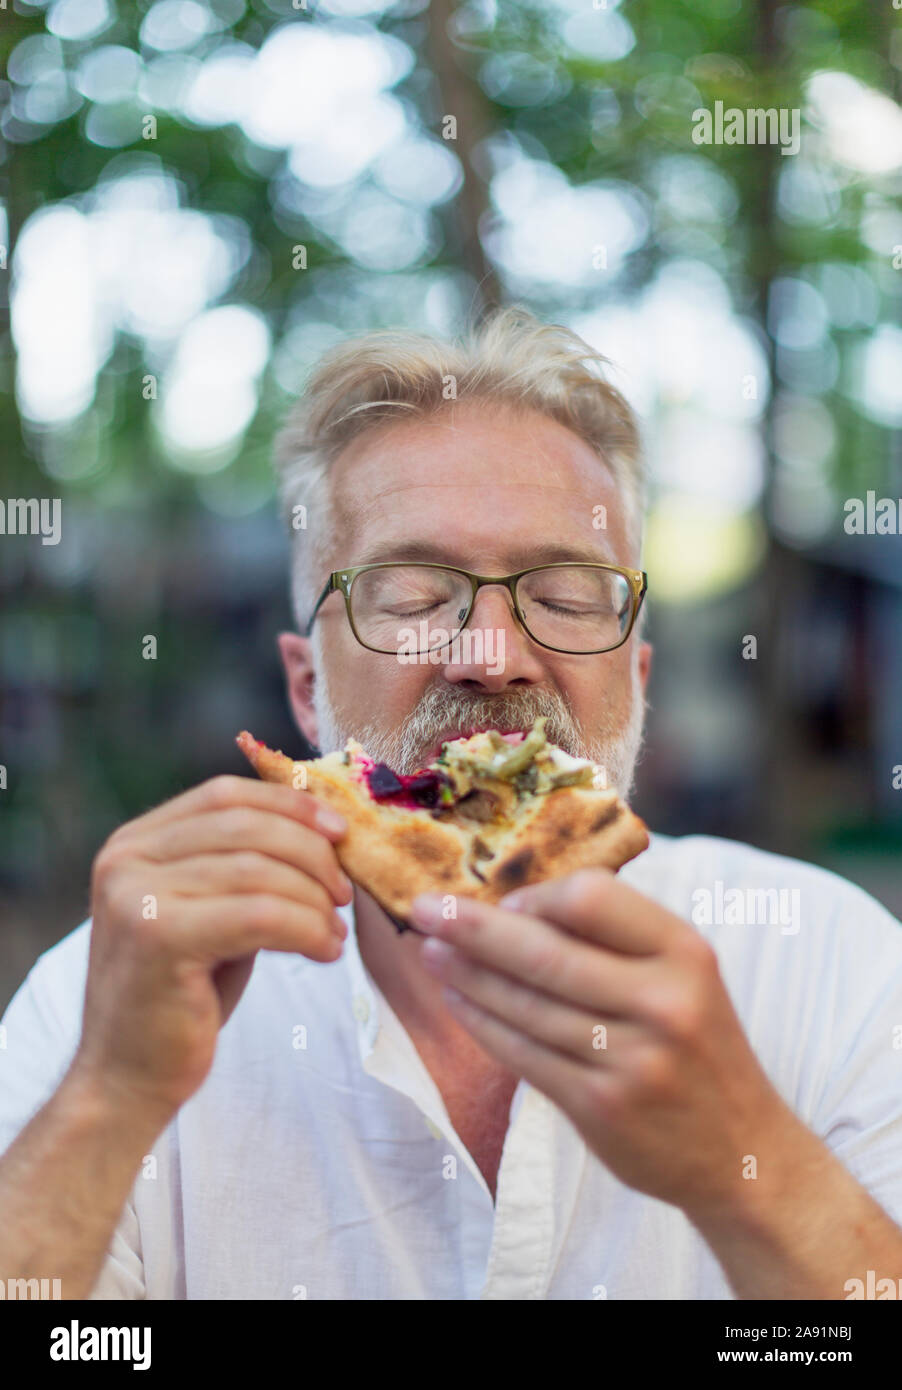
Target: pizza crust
{"x": 395, "y": 853}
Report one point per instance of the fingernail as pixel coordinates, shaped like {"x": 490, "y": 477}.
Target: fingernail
{"x": 339, "y": 926}
{"x": 327, "y": 819}
{"x": 512, "y": 900}
{"x": 435, "y": 952}
{"x": 345, "y": 883}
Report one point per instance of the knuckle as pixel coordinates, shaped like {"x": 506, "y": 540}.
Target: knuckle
{"x": 122, "y": 900}
{"x": 102, "y": 867}
{"x": 675, "y": 1012}
{"x": 685, "y": 1018}
{"x": 543, "y": 961}
{"x": 699, "y": 954}
{"x": 112, "y": 841}
{"x": 652, "y": 1073}
{"x": 116, "y": 890}
{"x": 314, "y": 929}
{"x": 525, "y": 1004}
{"x": 238, "y": 822}
{"x": 318, "y": 899}
{"x": 327, "y": 902}
{"x": 111, "y": 854}
{"x": 514, "y": 1001}
{"x": 586, "y": 888}
{"x": 248, "y": 867}
{"x": 260, "y": 914}
{"x": 330, "y": 879}
{"x": 107, "y": 863}
{"x": 321, "y": 855}
{"x": 224, "y": 790}
{"x": 605, "y": 1097}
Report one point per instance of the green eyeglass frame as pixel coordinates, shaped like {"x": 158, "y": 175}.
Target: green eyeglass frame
{"x": 341, "y": 581}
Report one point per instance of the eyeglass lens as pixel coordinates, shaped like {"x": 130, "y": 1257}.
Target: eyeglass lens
{"x": 570, "y": 607}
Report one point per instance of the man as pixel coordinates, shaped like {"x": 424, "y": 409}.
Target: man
{"x": 272, "y": 1098}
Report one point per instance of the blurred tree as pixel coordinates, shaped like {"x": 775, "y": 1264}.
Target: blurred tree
{"x": 200, "y": 198}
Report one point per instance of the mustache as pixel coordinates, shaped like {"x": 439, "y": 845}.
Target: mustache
{"x": 615, "y": 739}
{"x": 516, "y": 710}
{"x": 442, "y": 708}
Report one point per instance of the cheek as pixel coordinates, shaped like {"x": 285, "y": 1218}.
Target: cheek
{"x": 369, "y": 685}
{"x": 604, "y": 684}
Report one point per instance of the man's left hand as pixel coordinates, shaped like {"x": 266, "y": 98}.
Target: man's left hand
{"x": 615, "y": 1009}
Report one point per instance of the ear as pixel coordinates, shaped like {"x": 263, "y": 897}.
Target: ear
{"x": 646, "y": 651}
{"x": 297, "y": 660}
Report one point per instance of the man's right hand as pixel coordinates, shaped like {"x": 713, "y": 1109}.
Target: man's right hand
{"x": 182, "y": 899}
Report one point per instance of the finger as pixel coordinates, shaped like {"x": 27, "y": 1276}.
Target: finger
{"x": 580, "y": 1034}
{"x": 221, "y": 793}
{"x": 269, "y": 765}
{"x": 595, "y": 904}
{"x": 246, "y": 871}
{"x": 540, "y": 955}
{"x": 246, "y": 828}
{"x": 561, "y": 1078}
{"x": 217, "y": 929}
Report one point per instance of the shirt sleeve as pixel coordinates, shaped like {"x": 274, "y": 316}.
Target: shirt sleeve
{"x": 859, "y": 1112}
{"x": 39, "y": 1035}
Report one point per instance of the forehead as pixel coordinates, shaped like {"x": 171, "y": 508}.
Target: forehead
{"x": 475, "y": 482}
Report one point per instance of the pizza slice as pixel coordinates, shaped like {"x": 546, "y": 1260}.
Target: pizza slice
{"x": 491, "y": 813}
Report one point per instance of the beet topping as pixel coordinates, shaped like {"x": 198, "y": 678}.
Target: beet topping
{"x": 383, "y": 782}
{"x": 417, "y": 789}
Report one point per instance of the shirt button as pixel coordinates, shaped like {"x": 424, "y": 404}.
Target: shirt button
{"x": 361, "y": 1007}
{"x": 433, "y": 1128}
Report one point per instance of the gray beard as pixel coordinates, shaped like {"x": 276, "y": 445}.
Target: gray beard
{"x": 616, "y": 744}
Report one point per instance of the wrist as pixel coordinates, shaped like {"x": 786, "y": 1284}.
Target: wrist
{"x": 98, "y": 1100}
{"x": 777, "y": 1159}
{"x": 773, "y": 1231}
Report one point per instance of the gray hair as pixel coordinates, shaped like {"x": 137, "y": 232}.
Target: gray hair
{"x": 512, "y": 358}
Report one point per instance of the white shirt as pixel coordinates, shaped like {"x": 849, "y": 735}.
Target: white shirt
{"x": 317, "y": 1160}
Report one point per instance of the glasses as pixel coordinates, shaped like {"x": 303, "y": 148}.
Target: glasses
{"x": 578, "y": 608}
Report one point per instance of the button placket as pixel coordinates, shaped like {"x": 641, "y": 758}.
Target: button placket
{"x": 520, "y": 1255}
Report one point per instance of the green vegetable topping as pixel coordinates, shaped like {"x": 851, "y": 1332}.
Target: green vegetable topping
{"x": 522, "y": 754}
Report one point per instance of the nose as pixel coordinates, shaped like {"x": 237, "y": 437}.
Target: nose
{"x": 492, "y": 652}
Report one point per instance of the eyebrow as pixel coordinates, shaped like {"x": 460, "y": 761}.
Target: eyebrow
{"x": 540, "y": 553}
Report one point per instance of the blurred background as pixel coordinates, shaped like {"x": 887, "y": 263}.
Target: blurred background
{"x": 199, "y": 198}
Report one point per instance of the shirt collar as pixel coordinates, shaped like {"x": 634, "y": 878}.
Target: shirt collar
{"x": 387, "y": 1052}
